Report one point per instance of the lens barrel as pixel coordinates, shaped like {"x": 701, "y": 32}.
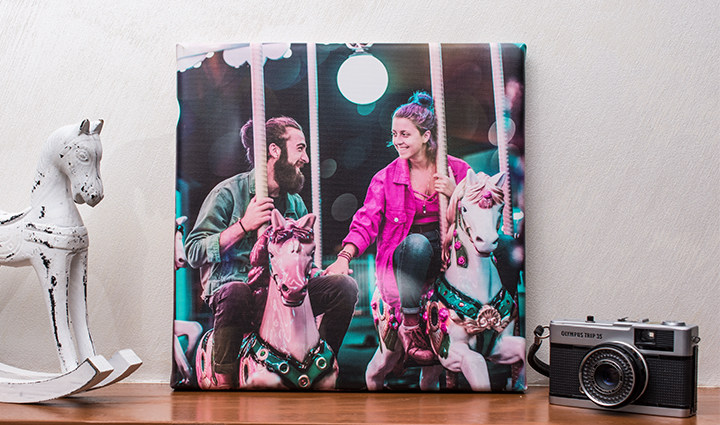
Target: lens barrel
{"x": 613, "y": 375}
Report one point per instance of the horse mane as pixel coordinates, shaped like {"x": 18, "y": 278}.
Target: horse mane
{"x": 57, "y": 140}
{"x": 259, "y": 274}
{"x": 473, "y": 192}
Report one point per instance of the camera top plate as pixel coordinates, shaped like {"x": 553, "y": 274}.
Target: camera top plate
{"x": 669, "y": 338}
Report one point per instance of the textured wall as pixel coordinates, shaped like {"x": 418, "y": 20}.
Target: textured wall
{"x": 622, "y": 149}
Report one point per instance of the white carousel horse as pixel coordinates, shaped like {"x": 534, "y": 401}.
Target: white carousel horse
{"x": 470, "y": 315}
{"x": 51, "y": 237}
{"x": 389, "y": 357}
{"x": 286, "y": 352}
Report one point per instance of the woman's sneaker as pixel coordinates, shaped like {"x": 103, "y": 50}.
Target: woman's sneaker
{"x": 416, "y": 344}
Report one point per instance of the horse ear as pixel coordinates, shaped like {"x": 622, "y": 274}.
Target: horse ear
{"x": 498, "y": 179}
{"x": 84, "y": 127}
{"x": 276, "y": 219}
{"x": 307, "y": 221}
{"x": 98, "y": 127}
{"x": 471, "y": 177}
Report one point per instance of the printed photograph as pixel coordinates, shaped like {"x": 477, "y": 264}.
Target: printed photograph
{"x": 350, "y": 217}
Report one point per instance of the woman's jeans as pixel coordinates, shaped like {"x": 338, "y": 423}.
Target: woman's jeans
{"x": 415, "y": 261}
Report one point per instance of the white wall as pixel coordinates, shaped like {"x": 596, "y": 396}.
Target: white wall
{"x": 622, "y": 148}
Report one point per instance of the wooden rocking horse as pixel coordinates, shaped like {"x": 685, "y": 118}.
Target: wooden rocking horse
{"x": 50, "y": 236}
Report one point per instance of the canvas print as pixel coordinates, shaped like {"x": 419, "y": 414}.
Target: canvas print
{"x": 350, "y": 217}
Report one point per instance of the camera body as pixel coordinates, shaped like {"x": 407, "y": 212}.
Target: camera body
{"x": 638, "y": 367}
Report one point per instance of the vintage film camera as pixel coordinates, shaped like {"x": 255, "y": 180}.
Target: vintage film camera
{"x": 637, "y": 367}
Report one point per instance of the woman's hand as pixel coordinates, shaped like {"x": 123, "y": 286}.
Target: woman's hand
{"x": 444, "y": 184}
{"x": 340, "y": 266}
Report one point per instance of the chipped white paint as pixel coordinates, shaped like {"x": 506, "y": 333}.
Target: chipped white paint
{"x": 51, "y": 237}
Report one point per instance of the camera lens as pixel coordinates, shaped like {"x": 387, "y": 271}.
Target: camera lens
{"x": 613, "y": 375}
{"x": 607, "y": 376}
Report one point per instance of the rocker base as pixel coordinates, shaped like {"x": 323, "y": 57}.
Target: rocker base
{"x": 124, "y": 363}
{"x": 18, "y": 386}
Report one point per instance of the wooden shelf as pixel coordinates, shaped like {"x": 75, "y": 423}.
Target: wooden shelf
{"x": 157, "y": 403}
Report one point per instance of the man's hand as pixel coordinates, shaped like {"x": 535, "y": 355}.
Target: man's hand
{"x": 257, "y": 213}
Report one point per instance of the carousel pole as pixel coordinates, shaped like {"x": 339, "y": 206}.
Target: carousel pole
{"x": 314, "y": 148}
{"x": 501, "y": 122}
{"x": 438, "y": 94}
{"x": 257, "y": 77}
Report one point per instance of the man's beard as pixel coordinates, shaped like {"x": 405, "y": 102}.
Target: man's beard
{"x": 287, "y": 176}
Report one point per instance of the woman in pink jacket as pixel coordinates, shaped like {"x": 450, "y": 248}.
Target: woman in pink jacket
{"x": 401, "y": 214}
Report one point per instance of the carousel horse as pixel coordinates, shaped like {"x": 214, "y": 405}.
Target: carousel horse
{"x": 190, "y": 329}
{"x": 286, "y": 352}
{"x": 51, "y": 237}
{"x": 389, "y": 357}
{"x": 469, "y": 315}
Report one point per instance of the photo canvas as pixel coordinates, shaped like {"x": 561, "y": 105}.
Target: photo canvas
{"x": 343, "y": 142}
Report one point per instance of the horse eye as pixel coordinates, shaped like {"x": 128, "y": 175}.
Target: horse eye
{"x": 463, "y": 209}
{"x": 82, "y": 156}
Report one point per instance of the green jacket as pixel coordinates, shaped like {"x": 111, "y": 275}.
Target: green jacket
{"x": 224, "y": 206}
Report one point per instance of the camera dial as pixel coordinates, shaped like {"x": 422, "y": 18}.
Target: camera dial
{"x": 613, "y": 375}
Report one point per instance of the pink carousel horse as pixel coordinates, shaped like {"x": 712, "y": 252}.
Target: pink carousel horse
{"x": 51, "y": 237}
{"x": 470, "y": 315}
{"x": 286, "y": 352}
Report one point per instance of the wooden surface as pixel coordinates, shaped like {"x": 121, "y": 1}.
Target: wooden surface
{"x": 155, "y": 403}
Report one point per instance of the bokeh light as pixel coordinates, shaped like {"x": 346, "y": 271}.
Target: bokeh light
{"x": 344, "y": 207}
{"x": 328, "y": 168}
{"x": 492, "y": 133}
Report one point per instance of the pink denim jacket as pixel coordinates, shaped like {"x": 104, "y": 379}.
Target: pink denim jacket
{"x": 386, "y": 217}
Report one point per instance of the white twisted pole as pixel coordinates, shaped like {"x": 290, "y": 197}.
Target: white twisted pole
{"x": 314, "y": 148}
{"x": 438, "y": 94}
{"x": 501, "y": 124}
{"x": 257, "y": 79}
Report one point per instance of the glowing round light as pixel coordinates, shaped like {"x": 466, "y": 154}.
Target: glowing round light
{"x": 362, "y": 78}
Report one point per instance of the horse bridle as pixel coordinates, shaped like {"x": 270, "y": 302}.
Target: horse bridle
{"x": 303, "y": 235}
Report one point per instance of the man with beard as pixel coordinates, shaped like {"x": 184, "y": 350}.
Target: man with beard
{"x": 225, "y": 232}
